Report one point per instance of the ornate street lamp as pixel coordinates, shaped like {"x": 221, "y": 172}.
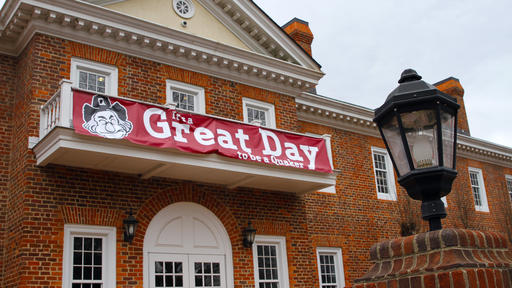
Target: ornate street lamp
{"x": 418, "y": 124}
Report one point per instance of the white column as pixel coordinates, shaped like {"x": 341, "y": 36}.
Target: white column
{"x": 327, "y": 138}
{"x": 66, "y": 104}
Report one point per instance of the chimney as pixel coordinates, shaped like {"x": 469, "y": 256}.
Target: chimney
{"x": 452, "y": 87}
{"x": 299, "y": 31}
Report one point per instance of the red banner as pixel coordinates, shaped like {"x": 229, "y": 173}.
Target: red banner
{"x": 116, "y": 118}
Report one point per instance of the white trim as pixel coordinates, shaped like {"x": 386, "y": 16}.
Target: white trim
{"x": 196, "y": 91}
{"x": 509, "y": 187}
{"x": 484, "y": 207}
{"x": 338, "y": 261}
{"x": 268, "y": 108}
{"x": 282, "y": 262}
{"x": 110, "y": 73}
{"x": 109, "y": 251}
{"x": 389, "y": 173}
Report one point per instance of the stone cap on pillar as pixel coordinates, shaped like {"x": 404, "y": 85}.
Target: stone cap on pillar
{"x": 452, "y": 254}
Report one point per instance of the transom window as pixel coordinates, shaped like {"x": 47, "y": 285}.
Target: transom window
{"x": 94, "y": 77}
{"x": 89, "y": 256}
{"x": 270, "y": 266}
{"x": 508, "y": 178}
{"x": 478, "y": 189}
{"x": 384, "y": 177}
{"x": 330, "y": 268}
{"x": 185, "y": 96}
{"x": 259, "y": 113}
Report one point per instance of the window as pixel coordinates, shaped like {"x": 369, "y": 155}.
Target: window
{"x": 184, "y": 8}
{"x": 89, "y": 256}
{"x": 94, "y": 77}
{"x": 478, "y": 188}
{"x": 384, "y": 177}
{"x": 330, "y": 267}
{"x": 508, "y": 178}
{"x": 185, "y": 96}
{"x": 257, "y": 112}
{"x": 270, "y": 264}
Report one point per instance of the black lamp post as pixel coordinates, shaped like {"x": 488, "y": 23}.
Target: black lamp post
{"x": 418, "y": 124}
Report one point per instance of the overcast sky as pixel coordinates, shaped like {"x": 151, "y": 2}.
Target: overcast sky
{"x": 364, "y": 45}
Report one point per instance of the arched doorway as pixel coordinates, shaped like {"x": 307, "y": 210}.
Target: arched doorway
{"x": 186, "y": 245}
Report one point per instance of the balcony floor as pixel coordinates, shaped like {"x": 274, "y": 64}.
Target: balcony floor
{"x": 64, "y": 147}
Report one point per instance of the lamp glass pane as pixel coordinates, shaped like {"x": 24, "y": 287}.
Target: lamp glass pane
{"x": 448, "y": 128}
{"x": 393, "y": 138}
{"x": 420, "y": 128}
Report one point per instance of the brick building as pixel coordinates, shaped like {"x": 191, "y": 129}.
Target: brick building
{"x": 65, "y": 195}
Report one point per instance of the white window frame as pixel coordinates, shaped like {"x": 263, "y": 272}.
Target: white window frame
{"x": 390, "y": 175}
{"x": 282, "y": 262}
{"x": 268, "y": 108}
{"x": 483, "y": 194}
{"x": 196, "y": 91}
{"x": 109, "y": 72}
{"x": 509, "y": 188}
{"x": 109, "y": 251}
{"x": 338, "y": 262}
{"x": 444, "y": 201}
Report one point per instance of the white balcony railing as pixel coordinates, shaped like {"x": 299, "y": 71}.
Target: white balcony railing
{"x": 58, "y": 110}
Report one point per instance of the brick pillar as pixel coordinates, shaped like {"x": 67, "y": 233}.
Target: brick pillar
{"x": 450, "y": 258}
{"x": 452, "y": 87}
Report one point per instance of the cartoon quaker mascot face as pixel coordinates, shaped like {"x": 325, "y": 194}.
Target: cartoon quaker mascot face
{"x": 103, "y": 119}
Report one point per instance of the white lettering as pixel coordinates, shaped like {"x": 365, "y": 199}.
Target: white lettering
{"x": 166, "y": 131}
{"x": 225, "y": 139}
{"x": 179, "y": 131}
{"x": 310, "y": 154}
{"x": 268, "y": 151}
{"x": 292, "y": 153}
{"x": 204, "y": 136}
{"x": 242, "y": 138}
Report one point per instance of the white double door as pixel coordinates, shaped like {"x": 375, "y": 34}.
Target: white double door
{"x": 187, "y": 270}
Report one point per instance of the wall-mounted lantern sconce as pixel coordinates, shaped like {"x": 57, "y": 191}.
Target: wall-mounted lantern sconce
{"x": 249, "y": 234}
{"x": 129, "y": 224}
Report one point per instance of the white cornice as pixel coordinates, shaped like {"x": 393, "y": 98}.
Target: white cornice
{"x": 94, "y": 25}
{"x": 345, "y": 116}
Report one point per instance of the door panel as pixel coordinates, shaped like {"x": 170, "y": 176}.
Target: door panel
{"x": 168, "y": 270}
{"x": 207, "y": 271}
{"x": 180, "y": 270}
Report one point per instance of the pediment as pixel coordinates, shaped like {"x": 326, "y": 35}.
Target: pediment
{"x": 237, "y": 23}
{"x": 202, "y": 23}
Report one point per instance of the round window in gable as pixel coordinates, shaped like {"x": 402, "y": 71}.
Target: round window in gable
{"x": 184, "y": 8}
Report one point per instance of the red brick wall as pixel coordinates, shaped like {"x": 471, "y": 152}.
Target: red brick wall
{"x": 42, "y": 199}
{"x": 7, "y": 94}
